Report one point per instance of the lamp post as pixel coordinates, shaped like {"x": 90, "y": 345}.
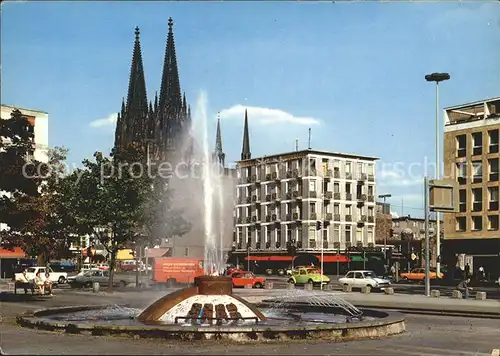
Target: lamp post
{"x": 384, "y": 197}
{"x": 437, "y": 78}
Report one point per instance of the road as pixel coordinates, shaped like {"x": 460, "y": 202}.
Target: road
{"x": 426, "y": 335}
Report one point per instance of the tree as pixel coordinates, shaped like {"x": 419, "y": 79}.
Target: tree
{"x": 109, "y": 198}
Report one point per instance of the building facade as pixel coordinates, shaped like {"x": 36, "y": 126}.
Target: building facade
{"x": 39, "y": 121}
{"x": 471, "y": 157}
{"x": 383, "y": 223}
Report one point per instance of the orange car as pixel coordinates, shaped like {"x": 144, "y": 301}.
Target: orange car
{"x": 243, "y": 278}
{"x": 418, "y": 274}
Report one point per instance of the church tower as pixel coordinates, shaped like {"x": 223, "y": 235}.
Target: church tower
{"x": 245, "y": 150}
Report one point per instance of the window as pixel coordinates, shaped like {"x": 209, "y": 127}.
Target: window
{"x": 348, "y": 233}
{"x": 358, "y": 275}
{"x": 493, "y": 141}
{"x": 336, "y": 188}
{"x": 359, "y": 235}
{"x": 477, "y": 199}
{"x": 312, "y": 185}
{"x": 278, "y": 235}
{"x": 359, "y": 169}
{"x": 370, "y": 234}
{"x": 461, "y": 145}
{"x": 349, "y": 275}
{"x": 336, "y": 233}
{"x": 240, "y": 234}
{"x": 477, "y": 223}
{"x": 370, "y": 190}
{"x": 325, "y": 237}
{"x": 348, "y": 209}
{"x": 493, "y": 198}
{"x": 461, "y": 225}
{"x": 493, "y": 222}
{"x": 336, "y": 209}
{"x": 370, "y": 169}
{"x": 461, "y": 172}
{"x": 268, "y": 234}
{"x": 348, "y": 168}
{"x": 493, "y": 169}
{"x": 462, "y": 194}
{"x": 477, "y": 172}
{"x": 370, "y": 211}
{"x": 312, "y": 208}
{"x": 477, "y": 143}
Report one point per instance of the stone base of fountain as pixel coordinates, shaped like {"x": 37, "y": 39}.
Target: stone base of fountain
{"x": 210, "y": 311}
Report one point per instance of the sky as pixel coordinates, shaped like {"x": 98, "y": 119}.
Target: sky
{"x": 353, "y": 72}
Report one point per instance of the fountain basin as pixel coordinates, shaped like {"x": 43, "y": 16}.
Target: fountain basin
{"x": 374, "y": 324}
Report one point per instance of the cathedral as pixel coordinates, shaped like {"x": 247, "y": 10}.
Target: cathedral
{"x": 159, "y": 127}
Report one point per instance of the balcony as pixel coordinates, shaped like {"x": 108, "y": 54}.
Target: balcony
{"x": 328, "y": 216}
{"x": 477, "y": 206}
{"x": 257, "y": 245}
{"x": 371, "y": 178}
{"x": 248, "y": 219}
{"x": 311, "y": 172}
{"x": 249, "y": 179}
{"x": 336, "y": 196}
{"x": 288, "y": 217}
{"x": 248, "y": 200}
{"x": 493, "y": 205}
{"x": 299, "y": 244}
{"x": 275, "y": 217}
{"x": 361, "y": 197}
{"x": 371, "y": 199}
{"x": 275, "y": 196}
{"x": 336, "y": 245}
{"x": 477, "y": 151}
{"x": 254, "y": 219}
{"x": 278, "y": 244}
{"x": 364, "y": 218}
{"x": 314, "y": 216}
{"x": 254, "y": 178}
{"x": 325, "y": 244}
{"x": 296, "y": 173}
{"x": 275, "y": 176}
{"x": 336, "y": 173}
{"x": 461, "y": 152}
{"x": 348, "y": 218}
{"x": 336, "y": 217}
{"x": 328, "y": 195}
{"x": 289, "y": 174}
{"x": 240, "y": 200}
{"x": 268, "y": 218}
{"x": 288, "y": 195}
{"x": 312, "y": 244}
{"x": 268, "y": 176}
{"x": 313, "y": 194}
{"x": 327, "y": 173}
{"x": 296, "y": 216}
{"x": 296, "y": 194}
{"x": 371, "y": 219}
{"x": 362, "y": 177}
{"x": 239, "y": 220}
{"x": 255, "y": 198}
{"x": 348, "y": 176}
{"x": 348, "y": 196}
{"x": 268, "y": 245}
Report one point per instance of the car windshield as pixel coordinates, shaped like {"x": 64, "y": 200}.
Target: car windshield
{"x": 312, "y": 271}
{"x": 370, "y": 274}
{"x": 30, "y": 270}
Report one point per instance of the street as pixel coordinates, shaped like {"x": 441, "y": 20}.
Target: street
{"x": 426, "y": 335}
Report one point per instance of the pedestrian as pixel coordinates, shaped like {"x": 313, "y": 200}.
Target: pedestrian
{"x": 393, "y": 271}
{"x": 467, "y": 271}
{"x": 48, "y": 283}
{"x": 39, "y": 282}
{"x": 481, "y": 275}
{"x": 463, "y": 287}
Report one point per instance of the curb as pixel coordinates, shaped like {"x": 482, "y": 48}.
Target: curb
{"x": 437, "y": 311}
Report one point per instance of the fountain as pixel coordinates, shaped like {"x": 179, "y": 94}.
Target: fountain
{"x": 210, "y": 309}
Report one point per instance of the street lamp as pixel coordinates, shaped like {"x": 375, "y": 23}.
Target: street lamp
{"x": 385, "y": 196}
{"x": 437, "y": 77}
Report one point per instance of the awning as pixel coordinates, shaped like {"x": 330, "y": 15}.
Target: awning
{"x": 15, "y": 252}
{"x": 375, "y": 257}
{"x": 158, "y": 252}
{"x": 269, "y": 258}
{"x": 334, "y": 258}
{"x": 126, "y": 254}
{"x": 356, "y": 258}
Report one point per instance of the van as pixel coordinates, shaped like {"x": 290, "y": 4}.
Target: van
{"x": 177, "y": 270}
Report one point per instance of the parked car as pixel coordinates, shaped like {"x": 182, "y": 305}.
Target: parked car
{"x": 243, "y": 278}
{"x": 418, "y": 274}
{"x": 128, "y": 265}
{"x": 63, "y": 266}
{"x": 358, "y": 279}
{"x": 55, "y": 277}
{"x": 304, "y": 275}
{"x": 87, "y": 279}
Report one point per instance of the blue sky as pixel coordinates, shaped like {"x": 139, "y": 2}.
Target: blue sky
{"x": 353, "y": 72}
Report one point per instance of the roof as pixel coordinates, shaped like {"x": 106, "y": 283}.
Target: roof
{"x": 474, "y": 103}
{"x": 15, "y": 252}
{"x": 157, "y": 252}
{"x": 25, "y": 109}
{"x": 317, "y": 152}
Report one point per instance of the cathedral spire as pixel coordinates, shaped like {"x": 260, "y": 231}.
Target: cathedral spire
{"x": 245, "y": 151}
{"x": 170, "y": 91}
{"x": 218, "y": 137}
{"x": 137, "y": 102}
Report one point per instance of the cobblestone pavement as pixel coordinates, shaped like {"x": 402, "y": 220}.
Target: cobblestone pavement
{"x": 426, "y": 335}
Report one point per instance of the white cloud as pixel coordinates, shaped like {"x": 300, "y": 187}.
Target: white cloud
{"x": 266, "y": 116}
{"x": 397, "y": 179}
{"x": 105, "y": 122}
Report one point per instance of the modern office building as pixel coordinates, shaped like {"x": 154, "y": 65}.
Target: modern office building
{"x": 303, "y": 201}
{"x": 471, "y": 156}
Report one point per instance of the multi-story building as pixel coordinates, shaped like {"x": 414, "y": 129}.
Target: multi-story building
{"x": 304, "y": 201}
{"x": 413, "y": 226}
{"x": 39, "y": 121}
{"x": 471, "y": 156}
{"x": 383, "y": 223}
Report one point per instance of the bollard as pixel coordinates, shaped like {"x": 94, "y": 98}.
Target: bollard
{"x": 456, "y": 294}
{"x": 346, "y": 288}
{"x": 248, "y": 286}
{"x": 389, "y": 291}
{"x": 308, "y": 286}
{"x": 95, "y": 287}
{"x": 328, "y": 287}
{"x": 290, "y": 286}
{"x": 268, "y": 285}
{"x": 481, "y": 296}
{"x": 366, "y": 289}
{"x": 435, "y": 293}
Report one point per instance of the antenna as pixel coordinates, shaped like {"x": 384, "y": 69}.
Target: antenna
{"x": 296, "y": 144}
{"x": 309, "y": 142}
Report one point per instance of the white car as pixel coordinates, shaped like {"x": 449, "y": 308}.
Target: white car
{"x": 358, "y": 279}
{"x": 55, "y": 277}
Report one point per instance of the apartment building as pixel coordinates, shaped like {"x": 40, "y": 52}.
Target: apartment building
{"x": 415, "y": 225}
{"x": 40, "y": 126}
{"x": 471, "y": 156}
{"x": 282, "y": 199}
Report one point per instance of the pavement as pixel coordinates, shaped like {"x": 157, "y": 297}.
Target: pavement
{"x": 426, "y": 335}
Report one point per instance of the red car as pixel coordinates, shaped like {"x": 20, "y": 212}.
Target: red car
{"x": 243, "y": 278}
